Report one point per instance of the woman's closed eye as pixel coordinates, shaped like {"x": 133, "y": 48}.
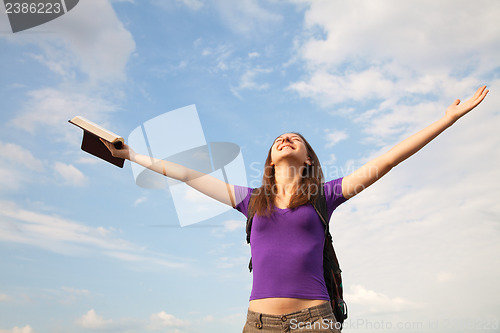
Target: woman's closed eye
{"x": 290, "y": 139}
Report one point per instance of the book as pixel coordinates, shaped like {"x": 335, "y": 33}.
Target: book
{"x": 91, "y": 143}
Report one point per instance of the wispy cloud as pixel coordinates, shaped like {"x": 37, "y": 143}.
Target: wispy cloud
{"x": 220, "y": 56}
{"x": 91, "y": 320}
{"x": 371, "y": 60}
{"x": 89, "y": 40}
{"x": 18, "y": 166}
{"x": 169, "y": 5}
{"x": 49, "y": 109}
{"x": 246, "y": 16}
{"x": 70, "y": 174}
{"x": 160, "y": 321}
{"x": 333, "y": 137}
{"x": 376, "y": 302}
{"x": 13, "y": 153}
{"x": 25, "y": 329}
{"x": 163, "y": 320}
{"x": 60, "y": 235}
{"x": 248, "y": 81}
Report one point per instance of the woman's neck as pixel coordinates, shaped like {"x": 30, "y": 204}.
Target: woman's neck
{"x": 287, "y": 178}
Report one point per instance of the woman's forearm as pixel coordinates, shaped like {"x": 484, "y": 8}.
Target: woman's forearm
{"x": 166, "y": 168}
{"x": 417, "y": 141}
{"x": 204, "y": 183}
{"x": 378, "y": 167}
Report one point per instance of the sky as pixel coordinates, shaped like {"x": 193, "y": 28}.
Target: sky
{"x": 85, "y": 249}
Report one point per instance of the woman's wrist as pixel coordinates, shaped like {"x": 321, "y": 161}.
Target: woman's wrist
{"x": 449, "y": 119}
{"x": 131, "y": 156}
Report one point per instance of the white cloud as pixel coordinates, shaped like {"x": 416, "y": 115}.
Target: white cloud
{"x": 92, "y": 320}
{"x": 193, "y": 4}
{"x": 231, "y": 262}
{"x": 75, "y": 291}
{"x": 232, "y": 225}
{"x": 52, "y": 232}
{"x": 427, "y": 34}
{"x": 25, "y": 329}
{"x": 70, "y": 174}
{"x": 87, "y": 160}
{"x": 333, "y": 137}
{"x": 375, "y": 302}
{"x": 94, "y": 36}
{"x": 67, "y": 237}
{"x": 71, "y": 295}
{"x": 221, "y": 55}
{"x": 208, "y": 318}
{"x": 140, "y": 200}
{"x": 19, "y": 155}
{"x": 245, "y": 16}
{"x": 50, "y": 109}
{"x": 4, "y": 298}
{"x": 18, "y": 166}
{"x": 392, "y": 49}
{"x": 248, "y": 81}
{"x": 10, "y": 178}
{"x": 168, "y": 5}
{"x": 144, "y": 259}
{"x": 331, "y": 88}
{"x": 89, "y": 39}
{"x": 162, "y": 320}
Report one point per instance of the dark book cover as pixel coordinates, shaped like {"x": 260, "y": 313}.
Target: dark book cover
{"x": 93, "y": 145}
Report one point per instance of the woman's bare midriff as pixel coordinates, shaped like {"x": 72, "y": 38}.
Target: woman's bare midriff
{"x": 278, "y": 306}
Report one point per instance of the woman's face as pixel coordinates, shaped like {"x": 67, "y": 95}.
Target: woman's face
{"x": 289, "y": 146}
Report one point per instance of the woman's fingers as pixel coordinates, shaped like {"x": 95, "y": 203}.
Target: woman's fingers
{"x": 107, "y": 144}
{"x": 479, "y": 95}
{"x": 110, "y": 147}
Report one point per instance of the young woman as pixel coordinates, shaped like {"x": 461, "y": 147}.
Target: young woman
{"x": 287, "y": 236}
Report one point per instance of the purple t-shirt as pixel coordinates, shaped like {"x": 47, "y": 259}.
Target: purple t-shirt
{"x": 287, "y": 247}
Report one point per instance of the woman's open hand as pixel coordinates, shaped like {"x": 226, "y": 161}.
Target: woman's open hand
{"x": 125, "y": 152}
{"x": 457, "y": 109}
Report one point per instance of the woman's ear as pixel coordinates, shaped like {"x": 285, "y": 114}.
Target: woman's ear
{"x": 271, "y": 164}
{"x": 308, "y": 161}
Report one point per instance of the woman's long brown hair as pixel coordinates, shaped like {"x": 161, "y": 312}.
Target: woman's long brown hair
{"x": 263, "y": 199}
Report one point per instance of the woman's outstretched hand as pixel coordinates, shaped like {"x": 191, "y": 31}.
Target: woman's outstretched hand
{"x": 125, "y": 152}
{"x": 456, "y": 110}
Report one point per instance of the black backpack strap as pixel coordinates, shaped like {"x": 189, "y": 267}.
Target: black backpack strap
{"x": 321, "y": 209}
{"x": 331, "y": 267}
{"x": 249, "y": 225}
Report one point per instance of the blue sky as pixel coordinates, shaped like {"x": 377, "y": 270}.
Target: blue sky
{"x": 85, "y": 249}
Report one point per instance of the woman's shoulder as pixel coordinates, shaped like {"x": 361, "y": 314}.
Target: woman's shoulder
{"x": 242, "y": 196}
{"x": 333, "y": 189}
{"x": 242, "y": 191}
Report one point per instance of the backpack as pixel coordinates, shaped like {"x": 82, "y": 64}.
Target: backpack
{"x": 331, "y": 267}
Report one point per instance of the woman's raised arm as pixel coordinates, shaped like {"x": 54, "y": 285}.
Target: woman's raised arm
{"x": 376, "y": 168}
{"x": 206, "y": 184}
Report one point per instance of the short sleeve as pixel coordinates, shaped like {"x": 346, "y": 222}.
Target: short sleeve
{"x": 333, "y": 194}
{"x": 242, "y": 196}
